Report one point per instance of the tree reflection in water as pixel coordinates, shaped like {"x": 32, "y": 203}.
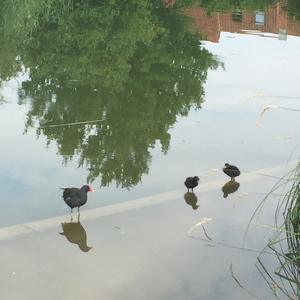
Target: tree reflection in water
{"x": 132, "y": 65}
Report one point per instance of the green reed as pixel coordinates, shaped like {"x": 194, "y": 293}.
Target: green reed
{"x": 286, "y": 244}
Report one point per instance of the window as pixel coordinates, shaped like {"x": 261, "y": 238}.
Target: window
{"x": 259, "y": 18}
{"x": 237, "y": 16}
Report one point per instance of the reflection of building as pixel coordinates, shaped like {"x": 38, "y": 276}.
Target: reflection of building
{"x": 273, "y": 20}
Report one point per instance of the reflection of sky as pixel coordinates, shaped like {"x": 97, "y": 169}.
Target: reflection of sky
{"x": 153, "y": 251}
{"x": 223, "y": 131}
{"x": 254, "y": 65}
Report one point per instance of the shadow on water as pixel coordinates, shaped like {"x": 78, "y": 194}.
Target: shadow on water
{"x": 75, "y": 234}
{"x": 191, "y": 199}
{"x": 230, "y": 187}
{"x": 107, "y": 88}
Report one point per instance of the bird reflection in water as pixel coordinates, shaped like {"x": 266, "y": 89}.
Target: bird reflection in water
{"x": 230, "y": 187}
{"x": 75, "y": 234}
{"x": 191, "y": 199}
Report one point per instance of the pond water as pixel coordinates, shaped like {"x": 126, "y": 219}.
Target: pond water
{"x": 133, "y": 98}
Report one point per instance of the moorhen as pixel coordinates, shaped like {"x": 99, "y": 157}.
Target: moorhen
{"x": 75, "y": 197}
{"x": 231, "y": 171}
{"x": 191, "y": 182}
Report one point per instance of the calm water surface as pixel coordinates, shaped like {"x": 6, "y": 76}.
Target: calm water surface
{"x": 132, "y": 99}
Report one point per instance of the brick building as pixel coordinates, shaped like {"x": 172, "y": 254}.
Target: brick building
{"x": 273, "y": 20}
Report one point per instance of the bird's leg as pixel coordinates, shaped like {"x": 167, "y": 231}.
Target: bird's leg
{"x": 192, "y": 190}
{"x": 71, "y": 221}
{"x": 78, "y": 213}
{"x": 78, "y": 217}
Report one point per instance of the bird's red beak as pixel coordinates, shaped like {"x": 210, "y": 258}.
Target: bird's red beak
{"x": 91, "y": 189}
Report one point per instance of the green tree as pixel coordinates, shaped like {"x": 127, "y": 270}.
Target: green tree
{"x": 131, "y": 64}
{"x": 293, "y": 8}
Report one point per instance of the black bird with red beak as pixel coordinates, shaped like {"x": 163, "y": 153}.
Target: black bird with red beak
{"x": 75, "y": 197}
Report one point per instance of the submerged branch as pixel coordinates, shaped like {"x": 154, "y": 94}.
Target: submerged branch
{"x": 74, "y": 123}
{"x": 240, "y": 285}
{"x": 270, "y": 107}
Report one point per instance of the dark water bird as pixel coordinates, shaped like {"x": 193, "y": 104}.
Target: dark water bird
{"x": 231, "y": 171}
{"x": 75, "y": 197}
{"x": 230, "y": 187}
{"x": 191, "y": 182}
{"x": 191, "y": 199}
{"x": 76, "y": 234}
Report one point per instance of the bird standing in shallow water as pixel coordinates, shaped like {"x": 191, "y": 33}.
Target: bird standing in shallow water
{"x": 191, "y": 182}
{"x": 75, "y": 197}
{"x": 231, "y": 171}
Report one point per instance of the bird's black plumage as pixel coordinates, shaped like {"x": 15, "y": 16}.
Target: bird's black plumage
{"x": 231, "y": 171}
{"x": 75, "y": 197}
{"x": 191, "y": 182}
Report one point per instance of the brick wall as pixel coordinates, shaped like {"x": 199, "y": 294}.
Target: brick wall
{"x": 275, "y": 18}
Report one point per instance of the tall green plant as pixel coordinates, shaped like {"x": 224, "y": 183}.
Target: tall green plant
{"x": 285, "y": 280}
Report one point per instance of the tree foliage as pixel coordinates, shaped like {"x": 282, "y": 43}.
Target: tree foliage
{"x": 131, "y": 64}
{"x": 293, "y": 8}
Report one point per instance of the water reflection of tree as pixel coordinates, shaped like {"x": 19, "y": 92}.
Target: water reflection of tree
{"x": 293, "y": 8}
{"x": 131, "y": 65}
